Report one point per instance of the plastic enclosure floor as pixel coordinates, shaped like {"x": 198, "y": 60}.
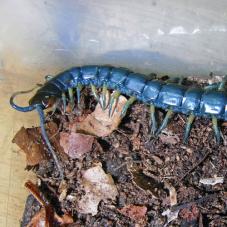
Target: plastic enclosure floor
{"x": 12, "y": 162}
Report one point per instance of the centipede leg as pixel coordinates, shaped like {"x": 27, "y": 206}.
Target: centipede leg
{"x": 94, "y": 92}
{"x": 168, "y": 116}
{"x": 105, "y": 93}
{"x": 131, "y": 100}
{"x": 217, "y": 131}
{"x": 78, "y": 91}
{"x": 113, "y": 100}
{"x": 71, "y": 98}
{"x": 47, "y": 141}
{"x": 153, "y": 119}
{"x": 188, "y": 127}
{"x": 54, "y": 108}
{"x": 64, "y": 102}
{"x": 222, "y": 84}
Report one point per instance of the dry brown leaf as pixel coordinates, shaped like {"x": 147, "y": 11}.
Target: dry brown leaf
{"x": 99, "y": 123}
{"x": 64, "y": 219}
{"x": 38, "y": 219}
{"x": 46, "y": 216}
{"x": 136, "y": 213}
{"x": 169, "y": 139}
{"x": 29, "y": 142}
{"x": 98, "y": 186}
{"x": 76, "y": 144}
{"x": 172, "y": 194}
{"x": 212, "y": 181}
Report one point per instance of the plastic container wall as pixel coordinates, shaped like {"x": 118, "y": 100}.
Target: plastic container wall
{"x": 173, "y": 37}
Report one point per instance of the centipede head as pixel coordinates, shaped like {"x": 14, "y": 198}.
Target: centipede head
{"x": 43, "y": 99}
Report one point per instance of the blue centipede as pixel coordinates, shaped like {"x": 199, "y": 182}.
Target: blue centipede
{"x": 209, "y": 102}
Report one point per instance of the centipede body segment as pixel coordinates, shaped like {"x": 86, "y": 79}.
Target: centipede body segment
{"x": 172, "y": 97}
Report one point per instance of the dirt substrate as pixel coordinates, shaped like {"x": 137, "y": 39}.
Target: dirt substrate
{"x": 153, "y": 175}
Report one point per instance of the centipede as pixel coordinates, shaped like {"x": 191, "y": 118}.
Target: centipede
{"x": 171, "y": 96}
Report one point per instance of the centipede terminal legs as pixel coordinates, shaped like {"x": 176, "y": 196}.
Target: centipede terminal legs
{"x": 46, "y": 139}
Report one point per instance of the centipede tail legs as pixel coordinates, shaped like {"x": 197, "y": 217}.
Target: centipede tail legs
{"x": 47, "y": 141}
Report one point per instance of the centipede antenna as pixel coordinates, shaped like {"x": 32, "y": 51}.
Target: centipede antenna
{"x": 131, "y": 100}
{"x": 71, "y": 98}
{"x": 47, "y": 141}
{"x": 78, "y": 90}
{"x": 217, "y": 131}
{"x": 188, "y": 127}
{"x": 21, "y": 108}
{"x": 153, "y": 119}
{"x": 94, "y": 92}
{"x": 63, "y": 96}
{"x": 113, "y": 99}
{"x": 168, "y": 116}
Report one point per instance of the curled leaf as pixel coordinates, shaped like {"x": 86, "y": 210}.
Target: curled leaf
{"x": 99, "y": 123}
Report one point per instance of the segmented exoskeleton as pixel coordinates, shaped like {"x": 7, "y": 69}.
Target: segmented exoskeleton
{"x": 173, "y": 97}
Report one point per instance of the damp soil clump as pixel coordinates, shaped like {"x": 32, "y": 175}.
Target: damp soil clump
{"x": 128, "y": 177}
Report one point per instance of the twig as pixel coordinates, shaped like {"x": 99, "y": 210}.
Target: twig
{"x": 189, "y": 204}
{"x": 195, "y": 166}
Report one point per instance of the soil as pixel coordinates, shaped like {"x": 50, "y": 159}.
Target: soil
{"x": 150, "y": 172}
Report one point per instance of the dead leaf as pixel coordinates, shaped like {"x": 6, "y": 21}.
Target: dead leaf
{"x": 46, "y": 215}
{"x": 76, "y": 144}
{"x": 64, "y": 219}
{"x": 171, "y": 215}
{"x": 212, "y": 181}
{"x": 98, "y": 122}
{"x": 169, "y": 139}
{"x": 172, "y": 194}
{"x": 39, "y": 219}
{"x": 190, "y": 214}
{"x": 136, "y": 213}
{"x": 29, "y": 141}
{"x": 98, "y": 186}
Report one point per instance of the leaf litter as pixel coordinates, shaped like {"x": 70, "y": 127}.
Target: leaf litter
{"x": 163, "y": 167}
